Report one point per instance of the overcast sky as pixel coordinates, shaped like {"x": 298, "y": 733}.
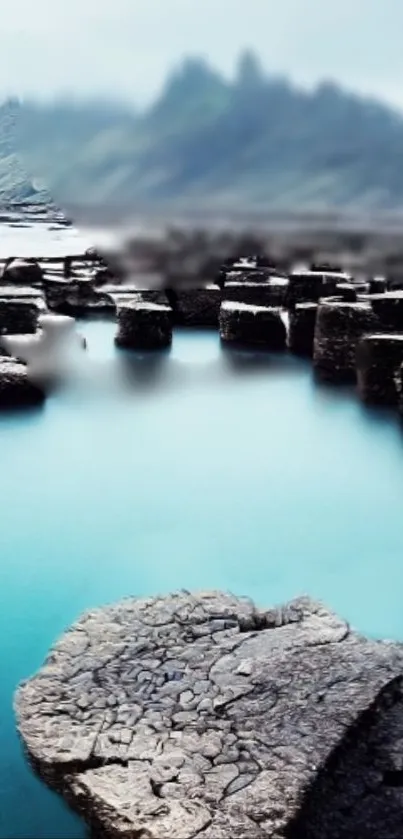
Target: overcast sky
{"x": 126, "y": 46}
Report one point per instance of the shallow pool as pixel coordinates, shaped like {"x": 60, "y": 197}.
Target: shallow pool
{"x": 196, "y": 468}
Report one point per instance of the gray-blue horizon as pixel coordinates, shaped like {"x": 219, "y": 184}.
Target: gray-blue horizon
{"x": 126, "y": 48}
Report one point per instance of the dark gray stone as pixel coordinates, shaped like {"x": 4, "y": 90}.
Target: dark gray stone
{"x": 379, "y": 358}
{"x": 76, "y": 297}
{"x": 339, "y": 327}
{"x": 270, "y": 293}
{"x": 16, "y": 388}
{"x": 202, "y": 715}
{"x": 196, "y": 306}
{"x": 301, "y": 330}
{"x": 347, "y": 292}
{"x": 388, "y": 308}
{"x": 310, "y": 286}
{"x": 143, "y": 325}
{"x": 253, "y": 325}
{"x": 19, "y": 315}
{"x": 22, "y": 271}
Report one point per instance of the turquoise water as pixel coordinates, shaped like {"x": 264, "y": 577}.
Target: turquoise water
{"x": 196, "y": 469}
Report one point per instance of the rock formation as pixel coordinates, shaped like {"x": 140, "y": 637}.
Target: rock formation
{"x": 196, "y": 306}
{"x": 271, "y": 293}
{"x": 24, "y": 271}
{"x": 301, "y": 329}
{"x": 388, "y": 308}
{"x": 16, "y": 388}
{"x": 202, "y": 715}
{"x": 253, "y": 325}
{"x": 18, "y": 315}
{"x": 339, "y": 327}
{"x": 143, "y": 325}
{"x": 379, "y": 358}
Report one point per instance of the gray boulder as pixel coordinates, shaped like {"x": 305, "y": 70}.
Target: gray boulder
{"x": 202, "y": 715}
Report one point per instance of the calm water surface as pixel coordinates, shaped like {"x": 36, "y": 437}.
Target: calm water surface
{"x": 196, "y": 469}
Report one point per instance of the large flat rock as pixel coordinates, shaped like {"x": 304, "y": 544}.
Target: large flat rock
{"x": 201, "y": 715}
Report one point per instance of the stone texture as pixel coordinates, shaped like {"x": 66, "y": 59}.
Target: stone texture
{"x": 16, "y": 388}
{"x": 271, "y": 293}
{"x": 196, "y": 306}
{"x": 339, "y": 327}
{"x": 347, "y": 292}
{"x": 388, "y": 308}
{"x": 310, "y": 286}
{"x": 254, "y": 325}
{"x": 18, "y": 315}
{"x": 399, "y": 388}
{"x": 201, "y": 715}
{"x": 76, "y": 297}
{"x": 143, "y": 325}
{"x": 301, "y": 330}
{"x": 379, "y": 358}
{"x": 24, "y": 271}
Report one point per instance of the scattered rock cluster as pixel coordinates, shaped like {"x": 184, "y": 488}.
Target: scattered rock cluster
{"x": 202, "y": 715}
{"x": 327, "y": 312}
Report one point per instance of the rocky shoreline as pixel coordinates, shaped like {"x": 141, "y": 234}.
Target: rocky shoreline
{"x": 321, "y": 313}
{"x": 203, "y": 715}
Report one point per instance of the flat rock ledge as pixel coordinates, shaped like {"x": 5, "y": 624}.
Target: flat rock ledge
{"x": 202, "y": 715}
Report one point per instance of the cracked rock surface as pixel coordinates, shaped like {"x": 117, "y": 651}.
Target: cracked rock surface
{"x": 201, "y": 715}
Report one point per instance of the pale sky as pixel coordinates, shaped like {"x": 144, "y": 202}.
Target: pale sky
{"x": 125, "y": 47}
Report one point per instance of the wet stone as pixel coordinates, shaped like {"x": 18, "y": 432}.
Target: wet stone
{"x": 311, "y": 744}
{"x": 339, "y": 327}
{"x": 388, "y": 308}
{"x": 252, "y": 325}
{"x": 301, "y": 329}
{"x": 144, "y": 326}
{"x": 16, "y": 388}
{"x": 269, "y": 293}
{"x": 197, "y": 307}
{"x": 18, "y": 316}
{"x": 379, "y": 358}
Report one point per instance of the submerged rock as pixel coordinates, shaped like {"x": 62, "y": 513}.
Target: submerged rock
{"x": 255, "y": 325}
{"x": 202, "y": 715}
{"x": 16, "y": 387}
{"x": 143, "y": 325}
{"x": 301, "y": 330}
{"x": 339, "y": 327}
{"x": 379, "y": 358}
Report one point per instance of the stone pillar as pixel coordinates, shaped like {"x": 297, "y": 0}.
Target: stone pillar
{"x": 379, "y": 358}
{"x": 388, "y": 308}
{"x": 302, "y": 320}
{"x": 253, "y": 325}
{"x": 144, "y": 326}
{"x": 270, "y": 293}
{"x": 197, "y": 307}
{"x": 339, "y": 327}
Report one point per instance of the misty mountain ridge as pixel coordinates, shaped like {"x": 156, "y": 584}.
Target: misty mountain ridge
{"x": 257, "y": 141}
